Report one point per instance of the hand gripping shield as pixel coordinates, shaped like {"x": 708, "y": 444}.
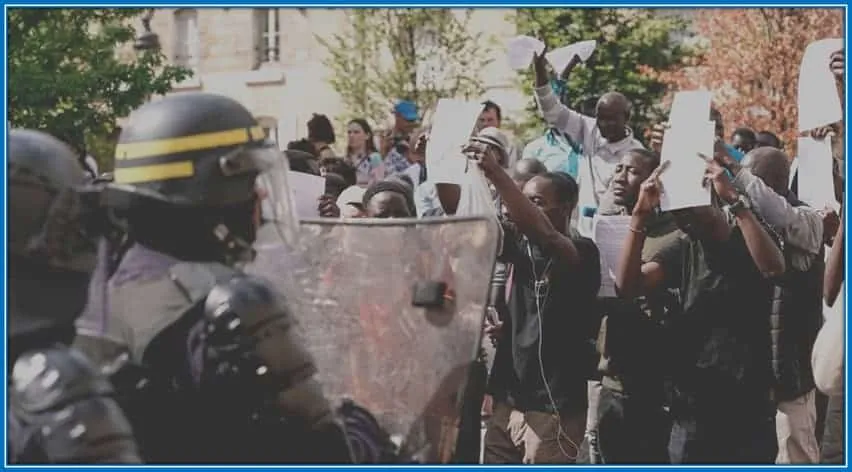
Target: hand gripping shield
{"x": 393, "y": 311}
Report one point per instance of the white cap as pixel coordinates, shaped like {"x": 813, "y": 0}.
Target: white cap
{"x": 352, "y": 195}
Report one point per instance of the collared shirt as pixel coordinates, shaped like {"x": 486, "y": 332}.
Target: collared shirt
{"x": 600, "y": 157}
{"x": 395, "y": 162}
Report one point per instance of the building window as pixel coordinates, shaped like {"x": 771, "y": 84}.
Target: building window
{"x": 187, "y": 42}
{"x": 268, "y": 35}
{"x": 270, "y": 127}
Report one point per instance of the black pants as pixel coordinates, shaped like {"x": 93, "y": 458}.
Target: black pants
{"x": 743, "y": 438}
{"x": 470, "y": 426}
{"x": 632, "y": 430}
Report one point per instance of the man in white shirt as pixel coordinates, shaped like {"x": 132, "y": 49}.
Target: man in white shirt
{"x": 604, "y": 139}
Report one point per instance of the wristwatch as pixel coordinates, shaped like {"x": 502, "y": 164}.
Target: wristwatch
{"x": 738, "y": 206}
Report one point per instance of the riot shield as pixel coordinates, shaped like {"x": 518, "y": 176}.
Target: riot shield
{"x": 393, "y": 312}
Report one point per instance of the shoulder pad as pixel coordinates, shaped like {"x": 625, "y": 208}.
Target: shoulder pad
{"x": 59, "y": 396}
{"x": 250, "y": 299}
{"x": 196, "y": 280}
{"x": 43, "y": 379}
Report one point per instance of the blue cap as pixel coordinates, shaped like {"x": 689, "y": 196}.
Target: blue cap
{"x": 406, "y": 109}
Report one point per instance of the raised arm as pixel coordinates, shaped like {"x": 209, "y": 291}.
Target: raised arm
{"x": 801, "y": 226}
{"x": 555, "y": 113}
{"x": 633, "y": 278}
{"x": 528, "y": 219}
{"x": 763, "y": 249}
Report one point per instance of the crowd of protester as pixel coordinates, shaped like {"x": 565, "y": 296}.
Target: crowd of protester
{"x": 724, "y": 341}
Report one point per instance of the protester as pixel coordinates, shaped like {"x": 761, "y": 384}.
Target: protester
{"x": 336, "y": 165}
{"x": 603, "y": 139}
{"x": 719, "y": 347}
{"x": 767, "y": 139}
{"x": 395, "y": 143}
{"x": 743, "y": 140}
{"x": 492, "y": 117}
{"x": 631, "y": 425}
{"x": 361, "y": 152}
{"x": 828, "y": 357}
{"x": 389, "y": 199}
{"x": 321, "y": 135}
{"x": 540, "y": 401}
{"x": 797, "y": 313}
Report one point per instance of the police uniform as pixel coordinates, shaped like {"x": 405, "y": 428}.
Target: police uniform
{"x": 61, "y": 409}
{"x": 206, "y": 357}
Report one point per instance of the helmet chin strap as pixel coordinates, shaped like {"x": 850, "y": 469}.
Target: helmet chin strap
{"x": 237, "y": 250}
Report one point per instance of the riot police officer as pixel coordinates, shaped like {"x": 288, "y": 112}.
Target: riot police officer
{"x": 213, "y": 370}
{"x": 61, "y": 409}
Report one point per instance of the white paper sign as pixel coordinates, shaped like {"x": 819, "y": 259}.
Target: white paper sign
{"x": 452, "y": 126}
{"x": 306, "y": 191}
{"x": 690, "y": 107}
{"x": 819, "y": 103}
{"x": 683, "y": 180}
{"x": 521, "y": 50}
{"x": 816, "y": 182}
{"x": 560, "y": 58}
{"x": 691, "y": 133}
{"x": 609, "y": 234}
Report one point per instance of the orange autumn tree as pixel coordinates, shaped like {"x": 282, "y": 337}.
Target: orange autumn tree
{"x": 750, "y": 59}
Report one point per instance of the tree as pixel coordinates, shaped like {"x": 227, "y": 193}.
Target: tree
{"x": 66, "y": 75}
{"x": 630, "y": 42}
{"x": 419, "y": 54}
{"x": 750, "y": 60}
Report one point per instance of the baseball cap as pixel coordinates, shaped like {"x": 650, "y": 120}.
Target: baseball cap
{"x": 407, "y": 110}
{"x": 494, "y": 137}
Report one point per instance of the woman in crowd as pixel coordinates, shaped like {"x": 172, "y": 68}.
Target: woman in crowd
{"x": 361, "y": 152}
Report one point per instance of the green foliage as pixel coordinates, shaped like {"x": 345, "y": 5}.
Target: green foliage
{"x": 419, "y": 54}
{"x": 66, "y": 75}
{"x": 631, "y": 43}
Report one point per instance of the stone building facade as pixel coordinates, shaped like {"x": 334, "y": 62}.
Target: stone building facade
{"x": 271, "y": 61}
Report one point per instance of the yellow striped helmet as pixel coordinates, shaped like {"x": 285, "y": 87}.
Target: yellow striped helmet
{"x": 191, "y": 149}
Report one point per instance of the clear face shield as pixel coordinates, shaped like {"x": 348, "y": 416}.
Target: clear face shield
{"x": 277, "y": 217}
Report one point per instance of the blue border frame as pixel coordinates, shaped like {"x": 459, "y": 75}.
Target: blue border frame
{"x": 402, "y": 3}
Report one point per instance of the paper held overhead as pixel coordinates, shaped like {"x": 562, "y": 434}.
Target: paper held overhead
{"x": 683, "y": 181}
{"x": 819, "y": 102}
{"x": 560, "y": 58}
{"x": 521, "y": 50}
{"x": 691, "y": 133}
{"x": 452, "y": 125}
{"x": 816, "y": 181}
{"x": 690, "y": 107}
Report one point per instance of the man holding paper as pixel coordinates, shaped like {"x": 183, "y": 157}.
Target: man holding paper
{"x": 544, "y": 355}
{"x": 604, "y": 139}
{"x": 719, "y": 343}
{"x": 630, "y": 423}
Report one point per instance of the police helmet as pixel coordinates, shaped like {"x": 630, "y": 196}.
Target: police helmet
{"x": 52, "y": 245}
{"x": 190, "y": 149}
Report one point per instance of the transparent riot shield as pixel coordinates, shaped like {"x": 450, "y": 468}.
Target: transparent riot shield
{"x": 393, "y": 313}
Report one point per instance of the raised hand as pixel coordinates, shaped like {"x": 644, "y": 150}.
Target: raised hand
{"x": 650, "y": 192}
{"x": 716, "y": 174}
